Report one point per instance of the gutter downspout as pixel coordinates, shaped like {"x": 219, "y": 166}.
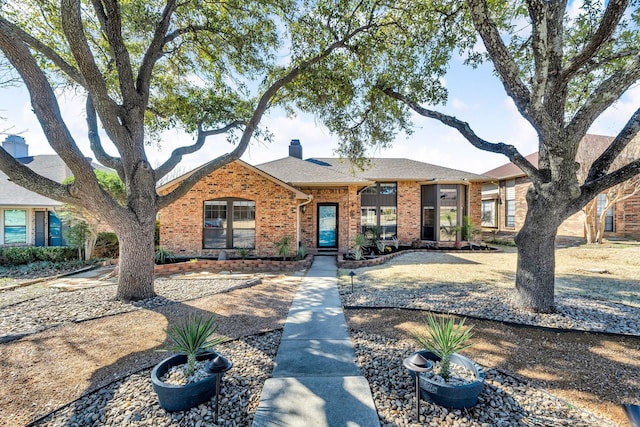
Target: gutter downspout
{"x": 298, "y": 232}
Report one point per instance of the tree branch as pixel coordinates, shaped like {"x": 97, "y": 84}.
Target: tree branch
{"x": 178, "y": 153}
{"x": 27, "y": 178}
{"x": 46, "y": 109}
{"x": 501, "y": 148}
{"x": 252, "y": 124}
{"x": 74, "y": 32}
{"x": 608, "y": 24}
{"x": 605, "y": 94}
{"x": 51, "y": 54}
{"x": 96, "y": 143}
{"x": 506, "y": 67}
{"x": 112, "y": 22}
{"x": 601, "y": 165}
{"x": 154, "y": 52}
{"x": 592, "y": 188}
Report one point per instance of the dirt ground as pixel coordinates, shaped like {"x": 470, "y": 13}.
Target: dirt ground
{"x": 594, "y": 371}
{"x": 47, "y": 370}
{"x": 44, "y": 371}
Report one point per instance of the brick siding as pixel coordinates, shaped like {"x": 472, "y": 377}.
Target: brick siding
{"x": 181, "y": 223}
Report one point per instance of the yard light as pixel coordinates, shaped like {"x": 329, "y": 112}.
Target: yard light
{"x": 352, "y": 273}
{"x": 416, "y": 364}
{"x": 218, "y": 366}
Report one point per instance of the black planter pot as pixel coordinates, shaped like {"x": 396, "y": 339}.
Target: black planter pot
{"x": 182, "y": 397}
{"x": 448, "y": 395}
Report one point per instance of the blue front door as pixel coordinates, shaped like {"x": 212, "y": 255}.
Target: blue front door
{"x": 328, "y": 225}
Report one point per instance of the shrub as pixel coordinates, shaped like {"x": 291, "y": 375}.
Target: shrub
{"x": 191, "y": 337}
{"x": 163, "y": 255}
{"x": 106, "y": 246}
{"x": 302, "y": 252}
{"x": 283, "y": 246}
{"x": 30, "y": 254}
{"x": 444, "y": 338}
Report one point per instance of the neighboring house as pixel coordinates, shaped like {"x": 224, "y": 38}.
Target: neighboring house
{"x": 322, "y": 203}
{"x": 27, "y": 218}
{"x": 504, "y": 205}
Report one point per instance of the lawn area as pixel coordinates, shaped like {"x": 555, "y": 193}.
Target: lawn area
{"x": 606, "y": 272}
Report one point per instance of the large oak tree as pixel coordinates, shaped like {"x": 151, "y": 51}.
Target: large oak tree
{"x": 207, "y": 67}
{"x": 563, "y": 64}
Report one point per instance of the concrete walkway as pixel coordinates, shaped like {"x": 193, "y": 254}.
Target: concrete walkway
{"x": 315, "y": 381}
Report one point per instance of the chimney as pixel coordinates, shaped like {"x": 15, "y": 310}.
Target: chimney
{"x": 16, "y": 146}
{"x": 295, "y": 149}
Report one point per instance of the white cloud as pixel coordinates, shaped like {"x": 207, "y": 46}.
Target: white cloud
{"x": 458, "y": 104}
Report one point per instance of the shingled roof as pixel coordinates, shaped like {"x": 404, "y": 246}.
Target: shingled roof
{"x": 48, "y": 165}
{"x": 396, "y": 169}
{"x": 306, "y": 173}
{"x": 591, "y": 146}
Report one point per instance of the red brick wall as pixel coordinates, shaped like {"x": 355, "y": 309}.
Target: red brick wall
{"x": 475, "y": 203}
{"x": 348, "y": 215}
{"x": 181, "y": 222}
{"x": 409, "y": 211}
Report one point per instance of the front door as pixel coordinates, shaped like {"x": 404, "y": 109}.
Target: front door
{"x": 328, "y": 225}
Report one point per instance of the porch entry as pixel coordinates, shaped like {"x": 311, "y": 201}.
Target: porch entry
{"x": 328, "y": 225}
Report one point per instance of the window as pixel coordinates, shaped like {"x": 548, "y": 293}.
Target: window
{"x": 490, "y": 196}
{"x": 15, "y": 226}
{"x": 510, "y": 204}
{"x": 443, "y": 210}
{"x": 608, "y": 219}
{"x": 229, "y": 223}
{"x": 489, "y": 212}
{"x": 448, "y": 203}
{"x": 379, "y": 209}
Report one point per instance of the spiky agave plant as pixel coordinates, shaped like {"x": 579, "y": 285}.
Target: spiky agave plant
{"x": 191, "y": 337}
{"x": 444, "y": 338}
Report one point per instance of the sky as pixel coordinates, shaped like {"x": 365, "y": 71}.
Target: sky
{"x": 475, "y": 96}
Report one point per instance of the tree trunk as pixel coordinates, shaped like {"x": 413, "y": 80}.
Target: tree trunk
{"x": 137, "y": 252}
{"x": 589, "y": 222}
{"x": 536, "y": 261}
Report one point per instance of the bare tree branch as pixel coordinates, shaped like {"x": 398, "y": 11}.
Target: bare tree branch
{"x": 27, "y": 178}
{"x": 592, "y": 188}
{"x": 51, "y": 54}
{"x": 178, "y": 153}
{"x": 96, "y": 143}
{"x": 112, "y": 22}
{"x": 463, "y": 127}
{"x": 95, "y": 85}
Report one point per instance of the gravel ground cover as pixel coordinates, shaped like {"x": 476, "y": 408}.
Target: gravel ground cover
{"x": 51, "y": 307}
{"x": 504, "y": 401}
{"x": 132, "y": 400}
{"x": 103, "y": 384}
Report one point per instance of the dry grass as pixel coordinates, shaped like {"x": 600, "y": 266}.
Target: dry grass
{"x": 606, "y": 272}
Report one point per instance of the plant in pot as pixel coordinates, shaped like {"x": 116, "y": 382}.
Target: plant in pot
{"x": 458, "y": 381}
{"x": 189, "y": 377}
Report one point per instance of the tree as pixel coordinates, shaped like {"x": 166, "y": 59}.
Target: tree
{"x": 72, "y": 214}
{"x": 76, "y": 236}
{"x": 209, "y": 68}
{"x": 561, "y": 69}
{"x": 561, "y": 76}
